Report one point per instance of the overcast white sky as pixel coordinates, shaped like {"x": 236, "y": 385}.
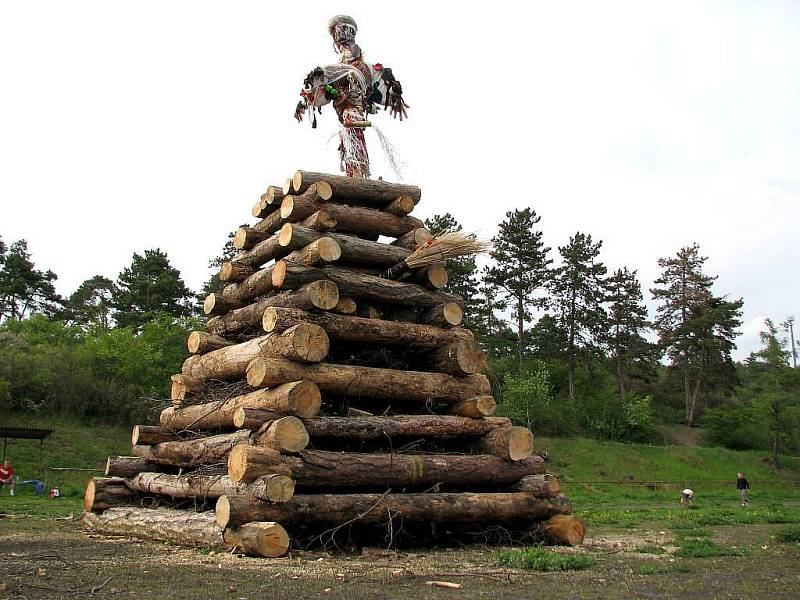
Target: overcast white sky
{"x": 132, "y": 125}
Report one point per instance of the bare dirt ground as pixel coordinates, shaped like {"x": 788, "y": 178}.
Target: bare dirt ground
{"x": 50, "y": 558}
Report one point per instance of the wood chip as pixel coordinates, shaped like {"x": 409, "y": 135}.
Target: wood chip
{"x": 444, "y": 584}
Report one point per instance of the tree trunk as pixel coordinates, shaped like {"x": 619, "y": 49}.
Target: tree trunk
{"x": 128, "y": 466}
{"x": 317, "y": 295}
{"x": 418, "y": 426}
{"x": 354, "y": 219}
{"x": 368, "y": 381}
{"x": 475, "y": 408}
{"x": 509, "y": 443}
{"x": 354, "y": 250}
{"x": 150, "y": 434}
{"x": 359, "y": 329}
{"x": 380, "y": 508}
{"x": 305, "y": 342}
{"x": 449, "y": 314}
{"x": 287, "y": 434}
{"x": 349, "y": 190}
{"x": 318, "y": 468}
{"x": 461, "y": 357}
{"x": 319, "y": 252}
{"x": 300, "y": 398}
{"x": 201, "y": 342}
{"x": 234, "y": 271}
{"x": 413, "y": 239}
{"x": 361, "y": 286}
{"x": 542, "y": 486}
{"x": 218, "y": 304}
{"x": 104, "y": 492}
{"x": 273, "y": 488}
{"x": 193, "y": 453}
{"x": 186, "y": 528}
{"x": 345, "y": 306}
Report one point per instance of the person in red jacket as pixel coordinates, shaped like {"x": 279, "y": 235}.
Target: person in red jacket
{"x": 7, "y": 477}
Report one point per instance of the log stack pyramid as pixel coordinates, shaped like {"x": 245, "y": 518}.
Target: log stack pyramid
{"x": 323, "y": 400}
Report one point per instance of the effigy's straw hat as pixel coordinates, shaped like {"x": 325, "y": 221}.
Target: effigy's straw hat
{"x": 342, "y": 19}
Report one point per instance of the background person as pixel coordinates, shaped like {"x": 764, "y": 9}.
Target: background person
{"x": 686, "y": 497}
{"x": 742, "y": 486}
{"x": 7, "y": 477}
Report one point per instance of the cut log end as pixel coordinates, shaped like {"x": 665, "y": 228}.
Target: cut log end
{"x": 89, "y": 495}
{"x": 437, "y": 276}
{"x": 476, "y": 408}
{"x": 329, "y": 250}
{"x": 309, "y": 342}
{"x": 266, "y": 539}
{"x": 240, "y": 237}
{"x": 325, "y": 191}
{"x": 287, "y": 434}
{"x": 241, "y": 468}
{"x": 565, "y": 529}
{"x": 278, "y": 488}
{"x": 520, "y": 443}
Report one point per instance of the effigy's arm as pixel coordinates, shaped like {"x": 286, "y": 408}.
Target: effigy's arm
{"x": 392, "y": 92}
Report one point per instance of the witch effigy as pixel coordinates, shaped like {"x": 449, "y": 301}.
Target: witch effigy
{"x": 357, "y": 89}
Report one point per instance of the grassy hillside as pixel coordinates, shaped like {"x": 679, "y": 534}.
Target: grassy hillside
{"x": 580, "y": 460}
{"x": 73, "y": 444}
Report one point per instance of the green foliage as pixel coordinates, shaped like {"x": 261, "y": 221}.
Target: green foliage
{"x": 89, "y": 307}
{"x": 661, "y": 568}
{"x": 527, "y": 399}
{"x": 25, "y": 290}
{"x": 148, "y": 287}
{"x": 537, "y": 558}
{"x": 705, "y": 548}
{"x": 789, "y": 535}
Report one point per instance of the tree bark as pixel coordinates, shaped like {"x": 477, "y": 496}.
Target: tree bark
{"x": 300, "y": 398}
{"x": 319, "y": 468}
{"x": 460, "y": 357}
{"x": 186, "y": 528}
{"x": 305, "y": 342}
{"x": 347, "y": 189}
{"x": 354, "y": 250}
{"x": 273, "y": 488}
{"x": 234, "y": 271}
{"x": 183, "y": 387}
{"x": 217, "y": 304}
{"x": 103, "y": 493}
{"x": 361, "y": 286}
{"x": 542, "y": 486}
{"x": 449, "y": 314}
{"x": 319, "y": 252}
{"x": 354, "y": 219}
{"x": 359, "y": 329}
{"x": 418, "y": 426}
{"x": 150, "y": 434}
{"x": 128, "y": 466}
{"x": 368, "y": 381}
{"x": 317, "y": 295}
{"x": 401, "y": 206}
{"x": 287, "y": 434}
{"x": 193, "y": 453}
{"x": 380, "y": 508}
{"x": 345, "y": 306}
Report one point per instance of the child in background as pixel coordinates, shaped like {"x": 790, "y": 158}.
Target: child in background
{"x": 54, "y": 493}
{"x": 686, "y": 497}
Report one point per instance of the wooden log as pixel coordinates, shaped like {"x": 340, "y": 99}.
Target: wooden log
{"x": 150, "y": 434}
{"x": 254, "y": 418}
{"x": 447, "y": 314}
{"x": 354, "y": 219}
{"x": 354, "y": 250}
{"x": 235, "y": 271}
{"x": 413, "y": 239}
{"x": 305, "y": 342}
{"x": 187, "y": 528}
{"x": 257, "y": 284}
{"x": 300, "y": 398}
{"x": 365, "y": 190}
{"x": 400, "y": 206}
{"x": 381, "y": 508}
{"x": 106, "y": 492}
{"x": 247, "y": 237}
{"x": 460, "y": 357}
{"x": 216, "y": 304}
{"x": 184, "y": 386}
{"x": 345, "y": 306}
{"x": 287, "y": 434}
{"x": 359, "y": 329}
{"x": 260, "y": 252}
{"x": 543, "y": 486}
{"x": 319, "y": 252}
{"x": 509, "y": 443}
{"x": 360, "y": 286}
{"x": 565, "y": 530}
{"x": 193, "y": 453}
{"x": 201, "y": 342}
{"x": 433, "y": 277}
{"x": 320, "y": 221}
{"x": 475, "y": 408}
{"x": 317, "y": 295}
{"x": 128, "y": 466}
{"x": 319, "y": 468}
{"x": 418, "y": 426}
{"x": 272, "y": 488}
{"x": 370, "y": 312}
{"x": 368, "y": 381}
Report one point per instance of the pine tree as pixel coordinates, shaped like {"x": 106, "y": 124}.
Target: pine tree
{"x": 521, "y": 268}
{"x": 25, "y": 290}
{"x": 577, "y": 295}
{"x": 90, "y": 305}
{"x": 213, "y": 284}
{"x": 696, "y": 329}
{"x": 148, "y": 287}
{"x": 627, "y": 321}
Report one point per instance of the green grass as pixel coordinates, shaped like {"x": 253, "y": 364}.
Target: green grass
{"x": 703, "y": 548}
{"x": 693, "y": 533}
{"x": 73, "y": 444}
{"x": 582, "y": 459}
{"x": 537, "y": 558}
{"x": 651, "y": 550}
{"x": 680, "y": 518}
{"x": 789, "y": 535}
{"x": 41, "y": 506}
{"x": 662, "y": 568}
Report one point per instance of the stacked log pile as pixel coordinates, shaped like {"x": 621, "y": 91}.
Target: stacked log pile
{"x": 321, "y": 395}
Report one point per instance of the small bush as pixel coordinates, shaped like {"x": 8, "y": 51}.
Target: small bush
{"x": 539, "y": 559}
{"x": 660, "y": 568}
{"x": 789, "y": 535}
{"x": 694, "y": 548}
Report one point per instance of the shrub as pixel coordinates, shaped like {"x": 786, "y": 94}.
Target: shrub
{"x": 537, "y": 558}
{"x": 789, "y": 535}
